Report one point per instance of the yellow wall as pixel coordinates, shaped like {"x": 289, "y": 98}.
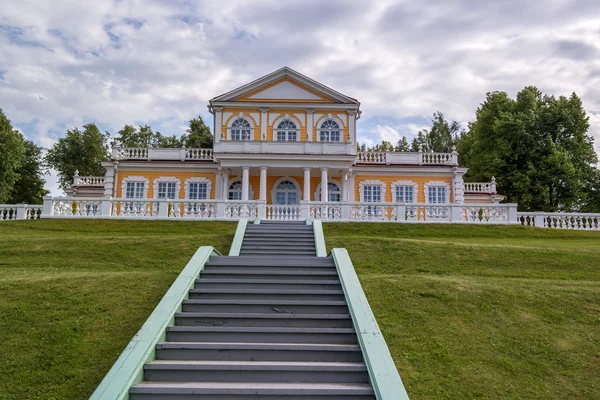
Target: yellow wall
{"x": 420, "y": 180}
{"x": 182, "y": 176}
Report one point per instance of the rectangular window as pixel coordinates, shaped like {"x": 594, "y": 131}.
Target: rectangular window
{"x": 134, "y": 190}
{"x": 404, "y": 194}
{"x": 436, "y": 195}
{"x": 372, "y": 194}
{"x": 281, "y": 136}
{"x": 198, "y": 191}
{"x": 166, "y": 190}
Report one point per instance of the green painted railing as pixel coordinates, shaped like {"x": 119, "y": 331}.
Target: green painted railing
{"x": 129, "y": 367}
{"x": 383, "y": 374}
{"x": 236, "y": 245}
{"x": 319, "y": 238}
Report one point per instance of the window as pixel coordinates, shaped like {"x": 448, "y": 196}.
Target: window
{"x": 329, "y": 132}
{"x": 372, "y": 193}
{"x": 198, "y": 191}
{"x": 287, "y": 131}
{"x": 286, "y": 193}
{"x": 240, "y": 130}
{"x": 167, "y": 190}
{"x": 134, "y": 190}
{"x": 235, "y": 190}
{"x": 404, "y": 194}
{"x": 333, "y": 192}
{"x": 436, "y": 194}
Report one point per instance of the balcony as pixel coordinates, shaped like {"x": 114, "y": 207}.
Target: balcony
{"x": 406, "y": 158}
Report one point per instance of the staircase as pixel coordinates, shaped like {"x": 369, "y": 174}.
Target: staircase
{"x": 272, "y": 323}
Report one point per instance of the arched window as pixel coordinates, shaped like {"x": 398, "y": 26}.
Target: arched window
{"x": 235, "y": 190}
{"x": 287, "y": 131}
{"x": 333, "y": 192}
{"x": 240, "y": 130}
{"x": 330, "y": 131}
{"x": 286, "y": 193}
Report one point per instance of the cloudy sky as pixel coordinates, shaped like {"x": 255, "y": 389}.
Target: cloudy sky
{"x": 63, "y": 64}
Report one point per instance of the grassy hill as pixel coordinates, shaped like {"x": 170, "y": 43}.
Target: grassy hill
{"x": 467, "y": 311}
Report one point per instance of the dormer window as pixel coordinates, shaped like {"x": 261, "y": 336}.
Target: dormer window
{"x": 240, "y": 130}
{"x": 287, "y": 131}
{"x": 329, "y": 131}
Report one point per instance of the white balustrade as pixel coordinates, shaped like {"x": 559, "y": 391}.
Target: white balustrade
{"x": 8, "y": 212}
{"x": 283, "y": 213}
{"x": 179, "y": 154}
{"x": 11, "y": 212}
{"x": 439, "y": 158}
{"x": 372, "y": 157}
{"x": 480, "y": 187}
{"x": 325, "y": 212}
{"x": 573, "y": 221}
{"x": 198, "y": 154}
{"x": 89, "y": 181}
{"x": 241, "y": 209}
{"x": 130, "y": 153}
{"x": 495, "y": 213}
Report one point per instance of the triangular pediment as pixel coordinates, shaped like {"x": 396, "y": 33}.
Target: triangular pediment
{"x": 285, "y": 90}
{"x": 284, "y": 85}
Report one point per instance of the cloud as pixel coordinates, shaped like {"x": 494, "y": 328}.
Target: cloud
{"x": 63, "y": 64}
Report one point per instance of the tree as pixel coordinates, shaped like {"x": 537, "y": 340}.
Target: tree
{"x": 402, "y": 145}
{"x": 29, "y": 187}
{"x": 12, "y": 149}
{"x": 536, "y": 146}
{"x": 80, "y": 150}
{"x": 198, "y": 135}
{"x": 419, "y": 143}
{"x": 442, "y": 136}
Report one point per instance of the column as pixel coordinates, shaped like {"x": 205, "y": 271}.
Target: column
{"x": 218, "y": 123}
{"x": 219, "y": 184}
{"x": 309, "y": 124}
{"x": 245, "y": 182}
{"x": 264, "y": 122}
{"x": 306, "y": 196}
{"x": 344, "y": 186}
{"x": 109, "y": 180}
{"x": 351, "y": 187}
{"x": 458, "y": 185}
{"x": 225, "y": 184}
{"x": 263, "y": 183}
{"x": 324, "y": 182}
{"x": 351, "y": 125}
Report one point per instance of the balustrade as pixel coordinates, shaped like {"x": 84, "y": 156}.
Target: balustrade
{"x": 283, "y": 212}
{"x": 573, "y": 221}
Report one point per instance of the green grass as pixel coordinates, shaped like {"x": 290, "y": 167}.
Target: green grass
{"x": 468, "y": 312}
{"x": 73, "y": 294}
{"x": 473, "y": 312}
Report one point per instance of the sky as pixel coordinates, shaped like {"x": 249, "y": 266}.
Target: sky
{"x": 66, "y": 63}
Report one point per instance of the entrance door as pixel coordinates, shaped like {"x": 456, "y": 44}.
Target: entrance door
{"x": 286, "y": 194}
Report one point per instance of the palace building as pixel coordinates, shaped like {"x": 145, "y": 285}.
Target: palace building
{"x": 283, "y": 140}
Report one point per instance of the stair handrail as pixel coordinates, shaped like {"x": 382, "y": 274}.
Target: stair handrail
{"x": 383, "y": 374}
{"x": 128, "y": 370}
{"x": 236, "y": 244}
{"x": 320, "y": 248}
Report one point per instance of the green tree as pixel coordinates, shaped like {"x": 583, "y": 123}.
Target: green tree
{"x": 29, "y": 187}
{"x": 419, "y": 142}
{"x": 536, "y": 146}
{"x": 402, "y": 145}
{"x": 443, "y": 134}
{"x": 80, "y": 150}
{"x": 12, "y": 150}
{"x": 198, "y": 135}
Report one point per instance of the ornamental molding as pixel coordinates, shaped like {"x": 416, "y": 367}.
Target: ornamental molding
{"x": 320, "y": 118}
{"x": 371, "y": 182}
{"x": 414, "y": 185}
{"x": 429, "y": 184}
{"x": 198, "y": 180}
{"x": 166, "y": 179}
{"x": 318, "y": 189}
{"x": 134, "y": 179}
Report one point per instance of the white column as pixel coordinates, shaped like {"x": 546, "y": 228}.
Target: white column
{"x": 309, "y": 125}
{"x": 225, "y": 184}
{"x": 306, "y": 184}
{"x": 263, "y": 183}
{"x": 264, "y": 122}
{"x": 245, "y": 182}
{"x": 351, "y": 126}
{"x": 218, "y": 184}
{"x": 458, "y": 186}
{"x": 351, "y": 188}
{"x": 109, "y": 180}
{"x": 345, "y": 186}
{"x": 324, "y": 182}
{"x": 218, "y": 123}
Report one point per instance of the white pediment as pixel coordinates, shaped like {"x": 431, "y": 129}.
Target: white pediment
{"x": 284, "y": 90}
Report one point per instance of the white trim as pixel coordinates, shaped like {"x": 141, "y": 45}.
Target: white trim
{"x": 234, "y": 118}
{"x": 240, "y": 179}
{"x": 429, "y": 184}
{"x": 135, "y": 179}
{"x": 286, "y": 178}
{"x": 286, "y": 117}
{"x": 167, "y": 179}
{"x": 414, "y": 185}
{"x": 362, "y": 184}
{"x": 197, "y": 180}
{"x": 319, "y": 120}
{"x": 318, "y": 189}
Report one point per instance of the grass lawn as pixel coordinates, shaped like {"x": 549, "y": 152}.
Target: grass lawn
{"x": 468, "y": 312}
{"x": 472, "y": 312}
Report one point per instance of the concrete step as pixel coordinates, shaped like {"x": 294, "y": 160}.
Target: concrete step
{"x": 286, "y": 284}
{"x": 275, "y": 222}
{"x": 255, "y": 371}
{"x": 260, "y": 335}
{"x": 258, "y": 269}
{"x": 263, "y": 320}
{"x": 266, "y": 294}
{"x": 250, "y": 391}
{"x": 279, "y": 241}
{"x": 258, "y": 351}
{"x": 265, "y": 306}
{"x": 291, "y": 261}
{"x": 254, "y": 273}
{"x": 268, "y": 245}
{"x": 271, "y": 253}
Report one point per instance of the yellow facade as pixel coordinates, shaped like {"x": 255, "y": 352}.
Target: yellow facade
{"x": 420, "y": 180}
{"x": 152, "y": 175}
